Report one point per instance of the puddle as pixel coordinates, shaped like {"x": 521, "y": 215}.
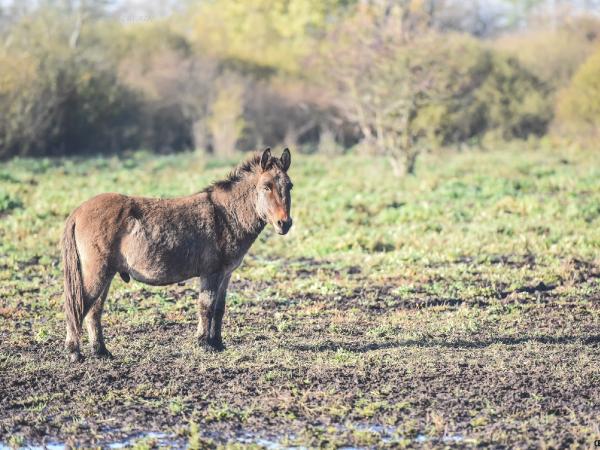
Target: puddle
{"x": 270, "y": 443}
{"x": 387, "y": 435}
{"x": 3, "y": 446}
{"x": 446, "y": 439}
{"x": 161, "y": 439}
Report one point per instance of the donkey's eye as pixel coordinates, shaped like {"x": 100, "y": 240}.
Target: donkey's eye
{"x": 267, "y": 187}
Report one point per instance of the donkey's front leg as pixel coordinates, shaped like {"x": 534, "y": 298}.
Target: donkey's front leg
{"x": 207, "y": 299}
{"x": 217, "y": 321}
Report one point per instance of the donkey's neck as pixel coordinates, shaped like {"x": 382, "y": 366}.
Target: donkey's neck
{"x": 237, "y": 204}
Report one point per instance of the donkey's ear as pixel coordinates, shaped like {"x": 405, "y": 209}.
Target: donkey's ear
{"x": 286, "y": 159}
{"x": 265, "y": 159}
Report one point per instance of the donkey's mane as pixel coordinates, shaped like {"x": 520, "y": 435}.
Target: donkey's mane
{"x": 240, "y": 172}
{"x": 237, "y": 174}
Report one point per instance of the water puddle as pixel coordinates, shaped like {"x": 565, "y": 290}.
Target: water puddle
{"x": 387, "y": 435}
{"x": 159, "y": 439}
{"x": 446, "y": 439}
{"x": 4, "y": 446}
{"x": 269, "y": 443}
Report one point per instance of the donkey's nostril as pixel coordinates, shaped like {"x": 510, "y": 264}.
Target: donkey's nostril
{"x": 284, "y": 225}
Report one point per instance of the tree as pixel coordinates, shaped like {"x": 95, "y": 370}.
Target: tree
{"x": 395, "y": 81}
{"x": 226, "y": 121}
{"x": 270, "y": 34}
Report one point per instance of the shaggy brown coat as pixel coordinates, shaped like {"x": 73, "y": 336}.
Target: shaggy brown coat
{"x": 165, "y": 241}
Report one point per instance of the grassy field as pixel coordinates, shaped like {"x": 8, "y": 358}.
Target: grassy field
{"x": 457, "y": 308}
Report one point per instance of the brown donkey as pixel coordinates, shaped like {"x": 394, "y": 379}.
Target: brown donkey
{"x": 165, "y": 241}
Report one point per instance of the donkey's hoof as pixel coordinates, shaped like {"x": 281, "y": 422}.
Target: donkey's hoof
{"x": 75, "y": 357}
{"x": 218, "y": 346}
{"x": 211, "y": 346}
{"x": 103, "y": 353}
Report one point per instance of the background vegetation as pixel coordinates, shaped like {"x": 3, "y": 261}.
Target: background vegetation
{"x": 393, "y": 77}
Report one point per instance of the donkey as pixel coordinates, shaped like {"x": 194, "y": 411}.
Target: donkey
{"x": 165, "y": 241}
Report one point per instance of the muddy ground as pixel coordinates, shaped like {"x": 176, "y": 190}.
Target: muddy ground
{"x": 360, "y": 367}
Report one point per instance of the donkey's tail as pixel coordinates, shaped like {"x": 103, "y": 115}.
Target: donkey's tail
{"x": 74, "y": 298}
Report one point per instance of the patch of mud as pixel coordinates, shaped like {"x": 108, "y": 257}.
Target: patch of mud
{"x": 309, "y": 367}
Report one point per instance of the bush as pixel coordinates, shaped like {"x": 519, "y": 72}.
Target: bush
{"x": 173, "y": 84}
{"x": 58, "y": 98}
{"x": 513, "y": 101}
{"x": 554, "y": 55}
{"x": 273, "y": 35}
{"x": 308, "y": 73}
{"x": 25, "y": 117}
{"x": 578, "y": 106}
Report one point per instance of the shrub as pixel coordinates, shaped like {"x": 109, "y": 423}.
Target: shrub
{"x": 58, "y": 98}
{"x": 554, "y": 54}
{"x": 269, "y": 34}
{"x": 578, "y": 106}
{"x": 513, "y": 101}
{"x": 25, "y": 117}
{"x": 394, "y": 85}
{"x": 174, "y": 86}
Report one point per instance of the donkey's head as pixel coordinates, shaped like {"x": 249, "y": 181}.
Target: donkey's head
{"x": 273, "y": 187}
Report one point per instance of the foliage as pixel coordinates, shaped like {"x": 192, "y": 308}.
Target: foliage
{"x": 235, "y": 75}
{"x": 270, "y": 34}
{"x": 553, "y": 54}
{"x": 579, "y": 103}
{"x": 225, "y": 121}
{"x": 412, "y": 90}
{"x": 22, "y": 125}
{"x": 8, "y": 202}
{"x": 515, "y": 103}
{"x": 383, "y": 80}
{"x": 157, "y": 62}
{"x": 60, "y": 98}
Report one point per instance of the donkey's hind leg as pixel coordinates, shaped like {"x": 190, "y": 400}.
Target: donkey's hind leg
{"x": 95, "y": 287}
{"x": 94, "y": 325}
{"x": 72, "y": 342}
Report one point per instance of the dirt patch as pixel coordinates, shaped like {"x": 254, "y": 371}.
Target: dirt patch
{"x": 317, "y": 370}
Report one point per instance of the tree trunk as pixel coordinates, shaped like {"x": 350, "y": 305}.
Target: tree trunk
{"x": 404, "y": 163}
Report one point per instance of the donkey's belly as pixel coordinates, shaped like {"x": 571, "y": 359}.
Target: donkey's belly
{"x": 158, "y": 261}
{"x": 159, "y": 279}
{"x": 161, "y": 269}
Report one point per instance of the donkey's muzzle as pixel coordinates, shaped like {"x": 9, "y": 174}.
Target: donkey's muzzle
{"x": 283, "y": 226}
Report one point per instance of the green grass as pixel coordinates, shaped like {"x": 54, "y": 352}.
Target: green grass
{"x": 464, "y": 302}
